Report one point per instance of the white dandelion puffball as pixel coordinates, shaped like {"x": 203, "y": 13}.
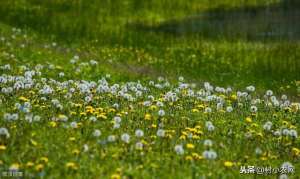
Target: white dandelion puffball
{"x": 96, "y": 133}
{"x": 139, "y": 133}
{"x": 160, "y": 133}
{"x": 125, "y": 138}
{"x": 179, "y": 149}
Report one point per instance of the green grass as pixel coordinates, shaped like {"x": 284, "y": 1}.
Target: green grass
{"x": 136, "y": 40}
{"x": 97, "y": 25}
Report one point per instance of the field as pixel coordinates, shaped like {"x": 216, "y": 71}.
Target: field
{"x": 149, "y": 89}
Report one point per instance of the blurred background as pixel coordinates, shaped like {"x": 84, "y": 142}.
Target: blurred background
{"x": 229, "y": 42}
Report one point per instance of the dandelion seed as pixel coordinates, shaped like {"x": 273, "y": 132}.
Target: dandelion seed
{"x": 269, "y": 92}
{"x": 293, "y": 133}
{"x": 97, "y": 133}
{"x": 111, "y": 138}
{"x": 74, "y": 125}
{"x": 208, "y": 143}
{"x": 210, "y": 128}
{"x": 267, "y": 126}
{"x": 258, "y": 151}
{"x": 250, "y": 88}
{"x": 285, "y": 132}
{"x": 288, "y": 167}
{"x": 85, "y": 148}
{"x": 277, "y": 133}
{"x": 116, "y": 126}
{"x": 125, "y": 138}
{"x": 4, "y": 132}
{"x": 209, "y": 154}
{"x": 229, "y": 109}
{"x": 36, "y": 118}
{"x": 179, "y": 149}
{"x": 139, "y": 133}
{"x": 208, "y": 110}
{"x": 161, "y": 112}
{"x": 117, "y": 119}
{"x": 253, "y": 109}
{"x": 93, "y": 119}
{"x": 139, "y": 146}
{"x": 160, "y": 133}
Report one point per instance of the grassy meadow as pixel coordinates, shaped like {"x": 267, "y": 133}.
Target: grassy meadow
{"x": 152, "y": 89}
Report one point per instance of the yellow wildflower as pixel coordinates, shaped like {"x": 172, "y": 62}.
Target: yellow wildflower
{"x": 75, "y": 152}
{"x": 228, "y": 164}
{"x": 248, "y": 119}
{"x": 39, "y": 167}
{"x": 71, "y": 165}
{"x": 115, "y": 176}
{"x": 14, "y": 166}
{"x": 147, "y": 117}
{"x": 29, "y": 164}
{"x": 24, "y": 99}
{"x": 190, "y": 146}
{"x": 44, "y": 159}
{"x": 189, "y": 158}
{"x": 2, "y": 147}
{"x": 296, "y": 151}
{"x": 53, "y": 124}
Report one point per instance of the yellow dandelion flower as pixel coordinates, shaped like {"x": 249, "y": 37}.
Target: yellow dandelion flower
{"x": 72, "y": 165}
{"x": 111, "y": 110}
{"x": 147, "y": 117}
{"x": 115, "y": 176}
{"x": 228, "y": 164}
{"x": 184, "y": 133}
{"x": 75, "y": 152}
{"x": 233, "y": 97}
{"x": 44, "y": 159}
{"x": 102, "y": 116}
{"x": 296, "y": 151}
{"x": 153, "y": 126}
{"x": 263, "y": 158}
{"x": 2, "y": 147}
{"x": 14, "y": 166}
{"x": 195, "y": 110}
{"x": 79, "y": 124}
{"x": 153, "y": 107}
{"x": 197, "y": 127}
{"x": 72, "y": 139}
{"x": 24, "y": 99}
{"x": 197, "y": 156}
{"x": 190, "y": 146}
{"x": 39, "y": 167}
{"x": 248, "y": 119}
{"x": 82, "y": 114}
{"x": 196, "y": 137}
{"x": 182, "y": 137}
{"x": 254, "y": 125}
{"x": 200, "y": 106}
{"x": 53, "y": 124}
{"x": 29, "y": 164}
{"x": 259, "y": 134}
{"x": 189, "y": 158}
{"x": 285, "y": 123}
